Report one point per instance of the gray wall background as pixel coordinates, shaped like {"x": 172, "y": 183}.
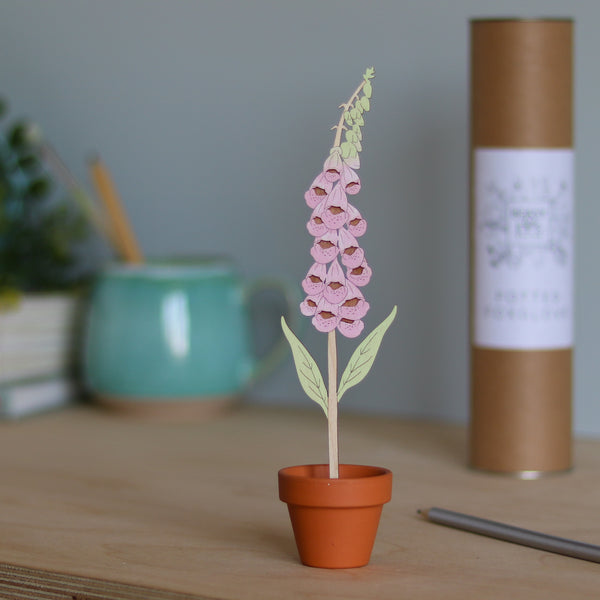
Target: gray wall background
{"x": 214, "y": 117}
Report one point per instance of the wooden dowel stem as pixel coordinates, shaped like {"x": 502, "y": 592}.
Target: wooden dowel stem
{"x": 332, "y": 406}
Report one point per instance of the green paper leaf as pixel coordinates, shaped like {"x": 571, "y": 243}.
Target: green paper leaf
{"x": 361, "y": 361}
{"x": 346, "y": 149}
{"x": 368, "y": 89}
{"x": 354, "y": 113}
{"x": 358, "y": 146}
{"x": 369, "y": 74}
{"x": 365, "y": 102}
{"x": 357, "y": 131}
{"x": 351, "y": 136}
{"x": 348, "y": 119}
{"x": 308, "y": 372}
{"x": 358, "y": 108}
{"x": 360, "y": 121}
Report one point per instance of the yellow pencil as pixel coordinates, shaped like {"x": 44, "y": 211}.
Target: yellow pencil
{"x": 128, "y": 245}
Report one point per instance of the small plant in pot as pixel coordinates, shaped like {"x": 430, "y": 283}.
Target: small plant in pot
{"x": 39, "y": 231}
{"x": 335, "y": 508}
{"x": 42, "y": 259}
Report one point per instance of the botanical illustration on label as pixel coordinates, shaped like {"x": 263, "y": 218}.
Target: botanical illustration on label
{"x": 523, "y": 248}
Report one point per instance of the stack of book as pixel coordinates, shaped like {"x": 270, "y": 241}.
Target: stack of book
{"x": 36, "y": 355}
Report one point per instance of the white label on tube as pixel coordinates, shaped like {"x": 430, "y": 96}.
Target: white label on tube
{"x": 523, "y": 248}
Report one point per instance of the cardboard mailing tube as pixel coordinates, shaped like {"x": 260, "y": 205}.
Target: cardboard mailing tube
{"x": 521, "y": 220}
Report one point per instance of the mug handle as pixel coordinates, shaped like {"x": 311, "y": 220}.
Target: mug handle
{"x": 279, "y": 349}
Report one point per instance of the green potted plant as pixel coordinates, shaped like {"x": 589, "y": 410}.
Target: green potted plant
{"x": 42, "y": 265}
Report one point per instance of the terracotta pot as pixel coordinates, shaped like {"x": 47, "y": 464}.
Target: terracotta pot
{"x": 335, "y": 520}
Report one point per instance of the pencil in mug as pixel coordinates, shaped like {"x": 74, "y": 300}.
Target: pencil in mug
{"x": 106, "y": 190}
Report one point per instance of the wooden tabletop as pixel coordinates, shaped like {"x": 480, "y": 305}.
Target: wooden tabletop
{"x": 93, "y": 505}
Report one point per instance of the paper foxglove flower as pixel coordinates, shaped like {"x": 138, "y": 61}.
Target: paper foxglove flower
{"x": 309, "y": 307}
{"x": 349, "y": 180}
{"x": 325, "y": 248}
{"x": 357, "y": 226}
{"x": 336, "y": 206}
{"x": 352, "y": 254}
{"x": 314, "y": 282}
{"x": 333, "y": 298}
{"x": 332, "y": 168}
{"x": 354, "y": 306}
{"x": 360, "y": 275}
{"x": 335, "y": 284}
{"x": 320, "y": 187}
{"x": 326, "y": 318}
{"x": 316, "y": 226}
{"x": 350, "y": 328}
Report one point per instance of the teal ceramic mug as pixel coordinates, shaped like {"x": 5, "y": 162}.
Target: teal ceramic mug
{"x": 174, "y": 337}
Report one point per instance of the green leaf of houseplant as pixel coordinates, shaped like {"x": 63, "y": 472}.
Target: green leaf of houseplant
{"x": 361, "y": 361}
{"x": 309, "y": 375}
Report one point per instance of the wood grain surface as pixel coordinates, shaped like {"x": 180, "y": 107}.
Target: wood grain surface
{"x": 193, "y": 509}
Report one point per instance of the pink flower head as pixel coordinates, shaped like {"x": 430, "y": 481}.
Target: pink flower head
{"x": 326, "y": 318}
{"x": 320, "y": 187}
{"x": 360, "y": 275}
{"x": 336, "y": 205}
{"x": 354, "y": 305}
{"x": 349, "y": 180}
{"x": 309, "y": 307}
{"x": 314, "y": 282}
{"x": 316, "y": 226}
{"x": 325, "y": 248}
{"x": 332, "y": 167}
{"x": 350, "y": 328}
{"x": 352, "y": 254}
{"x": 335, "y": 284}
{"x": 356, "y": 224}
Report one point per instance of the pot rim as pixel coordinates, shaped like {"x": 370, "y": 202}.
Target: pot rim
{"x": 358, "y": 485}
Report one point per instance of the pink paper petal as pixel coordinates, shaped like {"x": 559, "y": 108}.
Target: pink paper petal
{"x": 320, "y": 187}
{"x": 326, "y": 318}
{"x": 334, "y": 215}
{"x": 360, "y": 275}
{"x": 316, "y": 226}
{"x": 325, "y": 248}
{"x": 350, "y": 328}
{"x": 314, "y": 282}
{"x": 353, "y": 162}
{"x": 309, "y": 307}
{"x": 352, "y": 254}
{"x": 354, "y": 305}
{"x": 349, "y": 180}
{"x": 332, "y": 167}
{"x": 356, "y": 224}
{"x": 335, "y": 284}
